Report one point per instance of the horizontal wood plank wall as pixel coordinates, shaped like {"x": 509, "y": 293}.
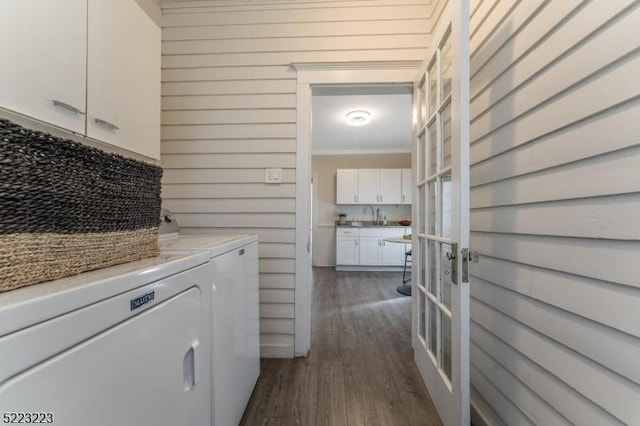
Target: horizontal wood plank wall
{"x": 555, "y": 176}
{"x": 229, "y": 112}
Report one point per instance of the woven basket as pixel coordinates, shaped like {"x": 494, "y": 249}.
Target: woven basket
{"x": 66, "y": 208}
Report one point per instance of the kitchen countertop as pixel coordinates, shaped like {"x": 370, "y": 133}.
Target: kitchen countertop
{"x": 370, "y": 224}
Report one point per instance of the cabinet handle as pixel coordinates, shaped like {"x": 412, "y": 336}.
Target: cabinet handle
{"x": 403, "y": 199}
{"x": 355, "y": 242}
{"x": 381, "y": 198}
{"x": 67, "y": 107}
{"x": 355, "y": 199}
{"x": 105, "y": 123}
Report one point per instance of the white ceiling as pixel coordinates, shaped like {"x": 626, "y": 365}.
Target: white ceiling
{"x": 389, "y": 130}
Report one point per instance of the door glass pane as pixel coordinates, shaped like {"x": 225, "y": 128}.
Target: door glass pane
{"x": 432, "y": 208}
{"x": 446, "y": 211}
{"x": 432, "y": 255}
{"x": 422, "y": 157}
{"x": 422, "y": 279}
{"x": 433, "y": 89}
{"x": 446, "y": 136}
{"x": 445, "y": 322}
{"x": 422, "y": 209}
{"x": 445, "y": 68}
{"x": 433, "y": 151}
{"x": 423, "y": 315}
{"x": 423, "y": 104}
{"x": 445, "y": 275}
{"x": 433, "y": 328}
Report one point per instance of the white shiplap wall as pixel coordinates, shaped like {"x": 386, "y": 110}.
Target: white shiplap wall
{"x": 229, "y": 112}
{"x": 556, "y": 211}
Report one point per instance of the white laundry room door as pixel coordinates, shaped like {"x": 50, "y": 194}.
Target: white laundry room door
{"x": 440, "y": 331}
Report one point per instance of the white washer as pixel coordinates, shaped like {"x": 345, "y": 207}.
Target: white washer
{"x": 125, "y": 345}
{"x": 235, "y": 318}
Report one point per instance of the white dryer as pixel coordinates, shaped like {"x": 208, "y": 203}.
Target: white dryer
{"x": 125, "y": 345}
{"x": 233, "y": 267}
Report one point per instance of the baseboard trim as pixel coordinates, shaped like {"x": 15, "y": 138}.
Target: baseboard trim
{"x": 276, "y": 352}
{"x": 355, "y": 268}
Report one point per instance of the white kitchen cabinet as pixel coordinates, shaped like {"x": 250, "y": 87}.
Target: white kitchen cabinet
{"x": 44, "y": 58}
{"x": 123, "y": 86}
{"x": 367, "y": 246}
{"x": 374, "y": 250}
{"x": 347, "y": 186}
{"x": 407, "y": 186}
{"x": 88, "y": 66}
{"x": 369, "y": 186}
{"x": 390, "y": 186}
{"x": 370, "y": 249}
{"x": 393, "y": 253}
{"x": 347, "y": 252}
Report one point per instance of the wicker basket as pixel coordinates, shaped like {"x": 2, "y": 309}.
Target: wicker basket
{"x": 66, "y": 208}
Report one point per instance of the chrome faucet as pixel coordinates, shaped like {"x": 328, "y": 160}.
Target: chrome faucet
{"x": 378, "y": 220}
{"x": 372, "y": 213}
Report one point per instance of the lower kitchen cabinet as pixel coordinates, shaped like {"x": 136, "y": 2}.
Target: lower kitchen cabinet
{"x": 347, "y": 252}
{"x": 367, "y": 246}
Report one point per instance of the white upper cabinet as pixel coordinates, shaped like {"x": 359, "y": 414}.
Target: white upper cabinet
{"x": 88, "y": 66}
{"x": 379, "y": 186}
{"x": 368, "y": 186}
{"x": 406, "y": 186}
{"x": 123, "y": 87}
{"x": 389, "y": 186}
{"x": 347, "y": 186}
{"x": 43, "y": 49}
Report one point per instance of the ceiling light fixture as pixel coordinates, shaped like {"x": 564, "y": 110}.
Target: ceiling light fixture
{"x": 358, "y": 117}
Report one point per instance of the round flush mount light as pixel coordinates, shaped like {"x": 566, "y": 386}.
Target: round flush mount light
{"x": 358, "y": 117}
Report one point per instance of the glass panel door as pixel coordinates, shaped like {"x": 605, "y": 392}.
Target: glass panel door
{"x": 441, "y": 305}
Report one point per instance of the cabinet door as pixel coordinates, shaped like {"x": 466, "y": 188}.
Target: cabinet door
{"x": 43, "y": 51}
{"x": 406, "y": 186}
{"x": 347, "y": 251}
{"x": 123, "y": 91}
{"x": 368, "y": 186}
{"x": 390, "y": 186}
{"x": 370, "y": 250}
{"x": 392, "y": 253}
{"x": 346, "y": 186}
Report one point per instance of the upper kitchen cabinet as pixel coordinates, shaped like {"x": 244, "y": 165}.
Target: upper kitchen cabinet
{"x": 406, "y": 186}
{"x": 347, "y": 186}
{"x": 44, "y": 59}
{"x": 379, "y": 186}
{"x": 123, "y": 85}
{"x": 88, "y": 66}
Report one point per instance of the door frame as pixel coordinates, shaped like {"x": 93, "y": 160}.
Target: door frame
{"x": 308, "y": 75}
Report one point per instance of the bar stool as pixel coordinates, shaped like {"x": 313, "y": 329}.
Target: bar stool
{"x": 407, "y": 262}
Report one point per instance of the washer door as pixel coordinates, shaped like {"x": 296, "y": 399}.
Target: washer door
{"x": 143, "y": 371}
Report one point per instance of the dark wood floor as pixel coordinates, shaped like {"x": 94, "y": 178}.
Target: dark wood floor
{"x": 360, "y": 369}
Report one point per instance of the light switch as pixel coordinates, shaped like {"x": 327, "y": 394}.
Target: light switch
{"x": 273, "y": 176}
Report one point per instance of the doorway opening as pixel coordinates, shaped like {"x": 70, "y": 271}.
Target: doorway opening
{"x": 382, "y": 144}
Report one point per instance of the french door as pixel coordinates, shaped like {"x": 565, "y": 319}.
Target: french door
{"x": 440, "y": 330}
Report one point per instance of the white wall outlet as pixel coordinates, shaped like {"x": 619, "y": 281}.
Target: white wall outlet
{"x": 273, "y": 176}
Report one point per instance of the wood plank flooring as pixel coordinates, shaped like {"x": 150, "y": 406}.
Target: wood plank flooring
{"x": 360, "y": 369}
